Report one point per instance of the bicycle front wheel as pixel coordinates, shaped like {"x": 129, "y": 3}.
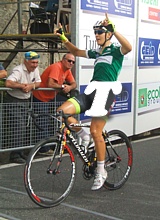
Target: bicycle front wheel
{"x": 49, "y": 179}
{"x": 119, "y": 159}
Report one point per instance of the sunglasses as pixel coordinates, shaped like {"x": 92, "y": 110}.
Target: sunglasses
{"x": 70, "y": 61}
{"x": 99, "y": 32}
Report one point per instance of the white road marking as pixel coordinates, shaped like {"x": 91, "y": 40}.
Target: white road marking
{"x": 66, "y": 205}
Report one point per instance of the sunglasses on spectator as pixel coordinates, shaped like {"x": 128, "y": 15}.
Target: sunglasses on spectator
{"x": 99, "y": 32}
{"x": 70, "y": 61}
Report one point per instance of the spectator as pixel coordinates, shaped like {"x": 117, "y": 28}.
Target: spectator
{"x": 3, "y": 72}
{"x": 59, "y": 77}
{"x": 55, "y": 77}
{"x": 23, "y": 79}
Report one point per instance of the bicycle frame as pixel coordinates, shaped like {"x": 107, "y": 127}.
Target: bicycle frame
{"x": 57, "y": 172}
{"x": 73, "y": 141}
{"x": 78, "y": 148}
{"x": 67, "y": 132}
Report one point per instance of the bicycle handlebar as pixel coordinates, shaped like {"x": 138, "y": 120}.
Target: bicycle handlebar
{"x": 59, "y": 116}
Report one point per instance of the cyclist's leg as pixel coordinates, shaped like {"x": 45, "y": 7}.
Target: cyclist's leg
{"x": 69, "y": 108}
{"x": 77, "y": 105}
{"x": 97, "y": 125}
{"x": 96, "y": 129}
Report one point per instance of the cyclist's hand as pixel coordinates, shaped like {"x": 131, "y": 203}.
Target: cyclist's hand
{"x": 109, "y": 24}
{"x": 61, "y": 34}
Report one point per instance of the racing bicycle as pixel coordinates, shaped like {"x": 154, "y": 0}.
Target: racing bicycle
{"x": 49, "y": 179}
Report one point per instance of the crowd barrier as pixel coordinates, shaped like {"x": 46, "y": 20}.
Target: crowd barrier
{"x": 17, "y": 130}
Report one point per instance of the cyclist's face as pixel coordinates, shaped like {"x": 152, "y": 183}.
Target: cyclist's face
{"x": 31, "y": 65}
{"x": 101, "y": 36}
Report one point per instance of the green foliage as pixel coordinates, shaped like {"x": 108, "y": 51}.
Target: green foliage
{"x": 2, "y": 82}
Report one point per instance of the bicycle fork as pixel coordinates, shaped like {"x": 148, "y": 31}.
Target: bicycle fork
{"x": 62, "y": 139}
{"x": 112, "y": 160}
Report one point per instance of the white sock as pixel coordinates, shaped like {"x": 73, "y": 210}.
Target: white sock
{"x": 100, "y": 167}
{"x": 84, "y": 136}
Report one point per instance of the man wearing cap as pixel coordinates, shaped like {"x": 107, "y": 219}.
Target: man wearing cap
{"x": 23, "y": 79}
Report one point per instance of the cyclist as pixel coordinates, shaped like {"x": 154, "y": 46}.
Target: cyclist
{"x": 108, "y": 63}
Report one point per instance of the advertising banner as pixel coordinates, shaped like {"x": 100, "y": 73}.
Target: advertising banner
{"x": 123, "y": 100}
{"x": 117, "y": 7}
{"x": 151, "y": 10}
{"x": 148, "y": 97}
{"x": 148, "y": 52}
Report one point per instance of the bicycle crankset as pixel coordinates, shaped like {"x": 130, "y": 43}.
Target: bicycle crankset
{"x": 88, "y": 172}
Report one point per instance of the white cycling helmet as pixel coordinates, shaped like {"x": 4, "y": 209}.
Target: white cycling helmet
{"x": 107, "y": 28}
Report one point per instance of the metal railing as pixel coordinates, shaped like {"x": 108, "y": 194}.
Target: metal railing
{"x": 17, "y": 130}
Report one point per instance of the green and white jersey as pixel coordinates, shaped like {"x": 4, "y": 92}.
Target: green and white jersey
{"x": 108, "y": 64}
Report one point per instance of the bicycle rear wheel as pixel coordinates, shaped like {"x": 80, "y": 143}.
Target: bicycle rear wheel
{"x": 119, "y": 159}
{"x": 49, "y": 179}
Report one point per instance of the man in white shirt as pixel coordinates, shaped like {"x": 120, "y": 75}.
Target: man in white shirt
{"x": 23, "y": 79}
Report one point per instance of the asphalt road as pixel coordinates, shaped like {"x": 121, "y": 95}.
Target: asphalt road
{"x": 138, "y": 199}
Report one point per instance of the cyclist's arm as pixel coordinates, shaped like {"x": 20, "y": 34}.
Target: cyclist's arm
{"x": 74, "y": 50}
{"x": 71, "y": 47}
{"x": 126, "y": 46}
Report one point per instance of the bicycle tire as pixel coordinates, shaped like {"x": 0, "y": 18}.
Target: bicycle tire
{"x": 119, "y": 165}
{"x": 48, "y": 188}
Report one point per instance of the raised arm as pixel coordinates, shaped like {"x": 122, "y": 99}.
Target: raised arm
{"x": 74, "y": 50}
{"x": 71, "y": 47}
{"x": 125, "y": 44}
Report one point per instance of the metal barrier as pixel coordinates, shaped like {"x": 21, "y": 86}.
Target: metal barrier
{"x": 17, "y": 130}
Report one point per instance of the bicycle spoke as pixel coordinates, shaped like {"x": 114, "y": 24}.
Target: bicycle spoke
{"x": 118, "y": 159}
{"x": 49, "y": 179}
